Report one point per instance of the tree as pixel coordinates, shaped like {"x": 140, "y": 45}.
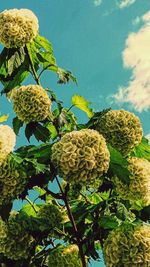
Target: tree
{"x": 102, "y": 167}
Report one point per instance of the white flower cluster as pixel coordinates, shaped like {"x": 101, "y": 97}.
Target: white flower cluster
{"x": 139, "y": 186}
{"x": 15, "y": 242}
{"x": 17, "y": 27}
{"x": 13, "y": 180}
{"x": 31, "y": 103}
{"x": 122, "y": 129}
{"x": 128, "y": 246}
{"x": 81, "y": 156}
{"x": 7, "y": 141}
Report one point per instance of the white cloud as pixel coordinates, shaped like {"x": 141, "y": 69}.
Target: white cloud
{"x": 148, "y": 137}
{"x": 136, "y": 21}
{"x": 125, "y": 3}
{"x": 97, "y": 2}
{"x": 137, "y": 57}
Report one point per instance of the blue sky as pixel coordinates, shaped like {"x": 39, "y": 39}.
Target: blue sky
{"x": 105, "y": 43}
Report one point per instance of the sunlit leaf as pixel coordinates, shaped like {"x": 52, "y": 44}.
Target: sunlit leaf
{"x": 53, "y": 132}
{"x": 4, "y": 118}
{"x": 81, "y": 103}
{"x": 40, "y": 190}
{"x": 30, "y": 209}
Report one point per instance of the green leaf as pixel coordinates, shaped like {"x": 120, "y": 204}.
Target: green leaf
{"x": 41, "y": 152}
{"x": 109, "y": 222}
{"x": 3, "y": 57}
{"x": 18, "y": 159}
{"x": 94, "y": 198}
{"x": 17, "y": 124}
{"x": 40, "y": 190}
{"x": 142, "y": 150}
{"x": 4, "y": 118}
{"x": 81, "y": 103}
{"x": 17, "y": 79}
{"x": 116, "y": 157}
{"x": 42, "y": 42}
{"x": 39, "y": 167}
{"x": 41, "y": 133}
{"x": 30, "y": 209}
{"x": 14, "y": 59}
{"x": 118, "y": 165}
{"x": 105, "y": 195}
{"x": 29, "y": 130}
{"x": 46, "y": 58}
{"x": 53, "y": 132}
{"x": 121, "y": 172}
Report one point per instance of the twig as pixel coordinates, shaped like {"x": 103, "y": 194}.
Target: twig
{"x": 55, "y": 195}
{"x": 79, "y": 242}
{"x": 50, "y": 65}
{"x": 36, "y": 78}
{"x": 70, "y": 108}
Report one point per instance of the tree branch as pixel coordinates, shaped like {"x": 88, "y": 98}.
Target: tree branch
{"x": 79, "y": 242}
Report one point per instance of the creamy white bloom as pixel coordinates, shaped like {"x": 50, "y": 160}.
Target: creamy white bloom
{"x": 31, "y": 103}
{"x": 128, "y": 246}
{"x": 139, "y": 186}
{"x": 81, "y": 156}
{"x": 122, "y": 129}
{"x": 7, "y": 141}
{"x": 17, "y": 27}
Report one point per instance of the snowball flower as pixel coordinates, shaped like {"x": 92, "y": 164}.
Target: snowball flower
{"x": 17, "y": 27}
{"x": 122, "y": 129}
{"x": 81, "y": 156}
{"x": 31, "y": 103}
{"x": 139, "y": 185}
{"x": 12, "y": 180}
{"x": 65, "y": 257}
{"x": 7, "y": 141}
{"x": 15, "y": 242}
{"x": 128, "y": 246}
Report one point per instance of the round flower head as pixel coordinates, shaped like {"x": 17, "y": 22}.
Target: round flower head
{"x": 50, "y": 216}
{"x": 31, "y": 103}
{"x": 15, "y": 241}
{"x": 17, "y": 27}
{"x": 12, "y": 180}
{"x": 7, "y": 141}
{"x": 128, "y": 246}
{"x": 139, "y": 185}
{"x": 81, "y": 156}
{"x": 65, "y": 257}
{"x": 122, "y": 129}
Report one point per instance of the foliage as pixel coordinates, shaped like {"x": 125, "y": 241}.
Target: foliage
{"x": 78, "y": 214}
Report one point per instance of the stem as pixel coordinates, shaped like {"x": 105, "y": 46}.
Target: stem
{"x": 70, "y": 108}
{"x": 35, "y": 76}
{"x": 55, "y": 195}
{"x": 79, "y": 242}
{"x": 50, "y": 65}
